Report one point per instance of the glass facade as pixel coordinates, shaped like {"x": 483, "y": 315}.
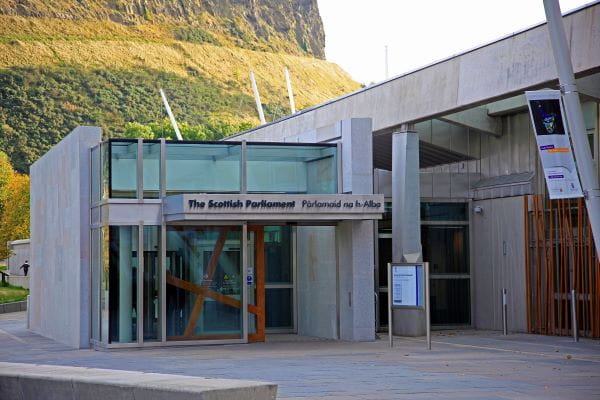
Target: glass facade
{"x": 204, "y": 283}
{"x": 291, "y": 169}
{"x": 207, "y": 167}
{"x": 122, "y": 284}
{"x": 152, "y": 282}
{"x": 203, "y": 168}
{"x": 151, "y": 170}
{"x": 186, "y": 283}
{"x": 123, "y": 169}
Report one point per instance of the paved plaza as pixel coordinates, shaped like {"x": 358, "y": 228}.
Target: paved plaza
{"x": 461, "y": 365}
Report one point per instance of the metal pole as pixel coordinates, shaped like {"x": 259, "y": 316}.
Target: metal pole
{"x": 171, "y": 116}
{"x": 390, "y": 322}
{"x": 261, "y": 114}
{"x": 427, "y": 308}
{"x": 574, "y": 316}
{"x": 504, "y": 314}
{"x": 566, "y": 79}
{"x": 288, "y": 82}
{"x": 386, "y": 63}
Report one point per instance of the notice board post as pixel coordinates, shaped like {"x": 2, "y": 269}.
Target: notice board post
{"x": 408, "y": 287}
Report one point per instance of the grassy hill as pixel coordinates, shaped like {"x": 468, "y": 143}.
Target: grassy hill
{"x": 67, "y": 63}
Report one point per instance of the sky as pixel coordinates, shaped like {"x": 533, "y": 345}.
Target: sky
{"x": 418, "y": 32}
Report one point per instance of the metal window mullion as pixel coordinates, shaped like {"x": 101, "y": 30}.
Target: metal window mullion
{"x": 244, "y": 169}
{"x": 140, "y": 284}
{"x": 295, "y": 278}
{"x": 244, "y": 280}
{"x": 140, "y": 169}
{"x": 163, "y": 282}
{"x": 163, "y": 172}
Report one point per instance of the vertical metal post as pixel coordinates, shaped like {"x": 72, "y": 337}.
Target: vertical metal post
{"x": 386, "y": 63}
{"x": 244, "y": 283}
{"x": 581, "y": 148}
{"x": 390, "y": 322}
{"x": 140, "y": 285}
{"x": 427, "y": 307}
{"x": 163, "y": 282}
{"x": 243, "y": 167}
{"x": 574, "y": 316}
{"x": 504, "y": 314}
{"x": 140, "y": 169}
{"x": 259, "y": 108}
{"x": 171, "y": 116}
{"x": 288, "y": 82}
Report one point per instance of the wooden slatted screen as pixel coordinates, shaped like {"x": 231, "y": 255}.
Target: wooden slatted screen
{"x": 559, "y": 256}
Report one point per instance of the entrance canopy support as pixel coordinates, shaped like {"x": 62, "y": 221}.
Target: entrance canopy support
{"x": 406, "y": 216}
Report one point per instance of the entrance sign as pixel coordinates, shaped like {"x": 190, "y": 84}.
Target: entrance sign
{"x": 408, "y": 287}
{"x": 406, "y": 282}
{"x": 554, "y": 145}
{"x": 267, "y": 206}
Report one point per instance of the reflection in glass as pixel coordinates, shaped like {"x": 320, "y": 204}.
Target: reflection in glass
{"x": 444, "y": 212}
{"x": 291, "y": 169}
{"x": 123, "y": 169}
{"x": 278, "y": 254}
{"x": 204, "y": 282}
{"x": 151, "y": 176}
{"x": 203, "y": 168}
{"x": 446, "y": 249}
{"x": 279, "y": 312}
{"x": 151, "y": 282}
{"x": 122, "y": 275}
{"x": 450, "y": 301}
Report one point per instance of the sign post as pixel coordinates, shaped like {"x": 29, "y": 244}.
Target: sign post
{"x": 408, "y": 287}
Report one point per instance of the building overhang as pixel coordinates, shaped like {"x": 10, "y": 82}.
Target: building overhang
{"x": 272, "y": 207}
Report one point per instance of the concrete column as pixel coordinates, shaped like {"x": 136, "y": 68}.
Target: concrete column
{"x": 406, "y": 220}
{"x": 355, "y": 239}
{"x": 125, "y": 278}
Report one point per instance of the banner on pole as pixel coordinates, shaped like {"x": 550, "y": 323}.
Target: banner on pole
{"x": 553, "y": 143}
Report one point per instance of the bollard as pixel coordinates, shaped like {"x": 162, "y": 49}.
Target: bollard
{"x": 504, "y": 313}
{"x": 574, "y": 316}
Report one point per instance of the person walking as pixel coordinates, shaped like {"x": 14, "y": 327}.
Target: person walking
{"x": 25, "y": 267}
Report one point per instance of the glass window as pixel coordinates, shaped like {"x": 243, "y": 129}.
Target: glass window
{"x": 446, "y": 249}
{"x": 152, "y": 285}
{"x": 204, "y": 282}
{"x": 450, "y": 301}
{"x": 123, "y": 169}
{"x": 278, "y": 254}
{"x": 105, "y": 170}
{"x": 203, "y": 168}
{"x": 291, "y": 169}
{"x": 278, "y": 310}
{"x": 151, "y": 176}
{"x": 122, "y": 286}
{"x": 444, "y": 212}
{"x": 95, "y": 172}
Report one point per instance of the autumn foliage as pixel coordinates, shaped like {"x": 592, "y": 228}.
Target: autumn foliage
{"x": 14, "y": 205}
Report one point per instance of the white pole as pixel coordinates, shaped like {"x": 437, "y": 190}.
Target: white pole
{"x": 288, "y": 82}
{"x": 566, "y": 79}
{"x": 261, "y": 114}
{"x": 171, "y": 116}
{"x": 390, "y": 312}
{"x": 386, "y": 63}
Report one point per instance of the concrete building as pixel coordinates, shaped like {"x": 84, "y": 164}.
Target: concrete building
{"x": 185, "y": 243}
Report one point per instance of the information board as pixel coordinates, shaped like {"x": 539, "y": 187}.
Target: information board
{"x": 554, "y": 145}
{"x": 407, "y": 285}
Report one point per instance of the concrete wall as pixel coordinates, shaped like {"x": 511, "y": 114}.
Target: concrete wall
{"x": 19, "y": 254}
{"x": 518, "y": 62}
{"x": 498, "y": 261}
{"x": 60, "y": 240}
{"x": 317, "y": 281}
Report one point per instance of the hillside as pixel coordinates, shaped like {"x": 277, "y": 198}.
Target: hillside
{"x": 67, "y": 63}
